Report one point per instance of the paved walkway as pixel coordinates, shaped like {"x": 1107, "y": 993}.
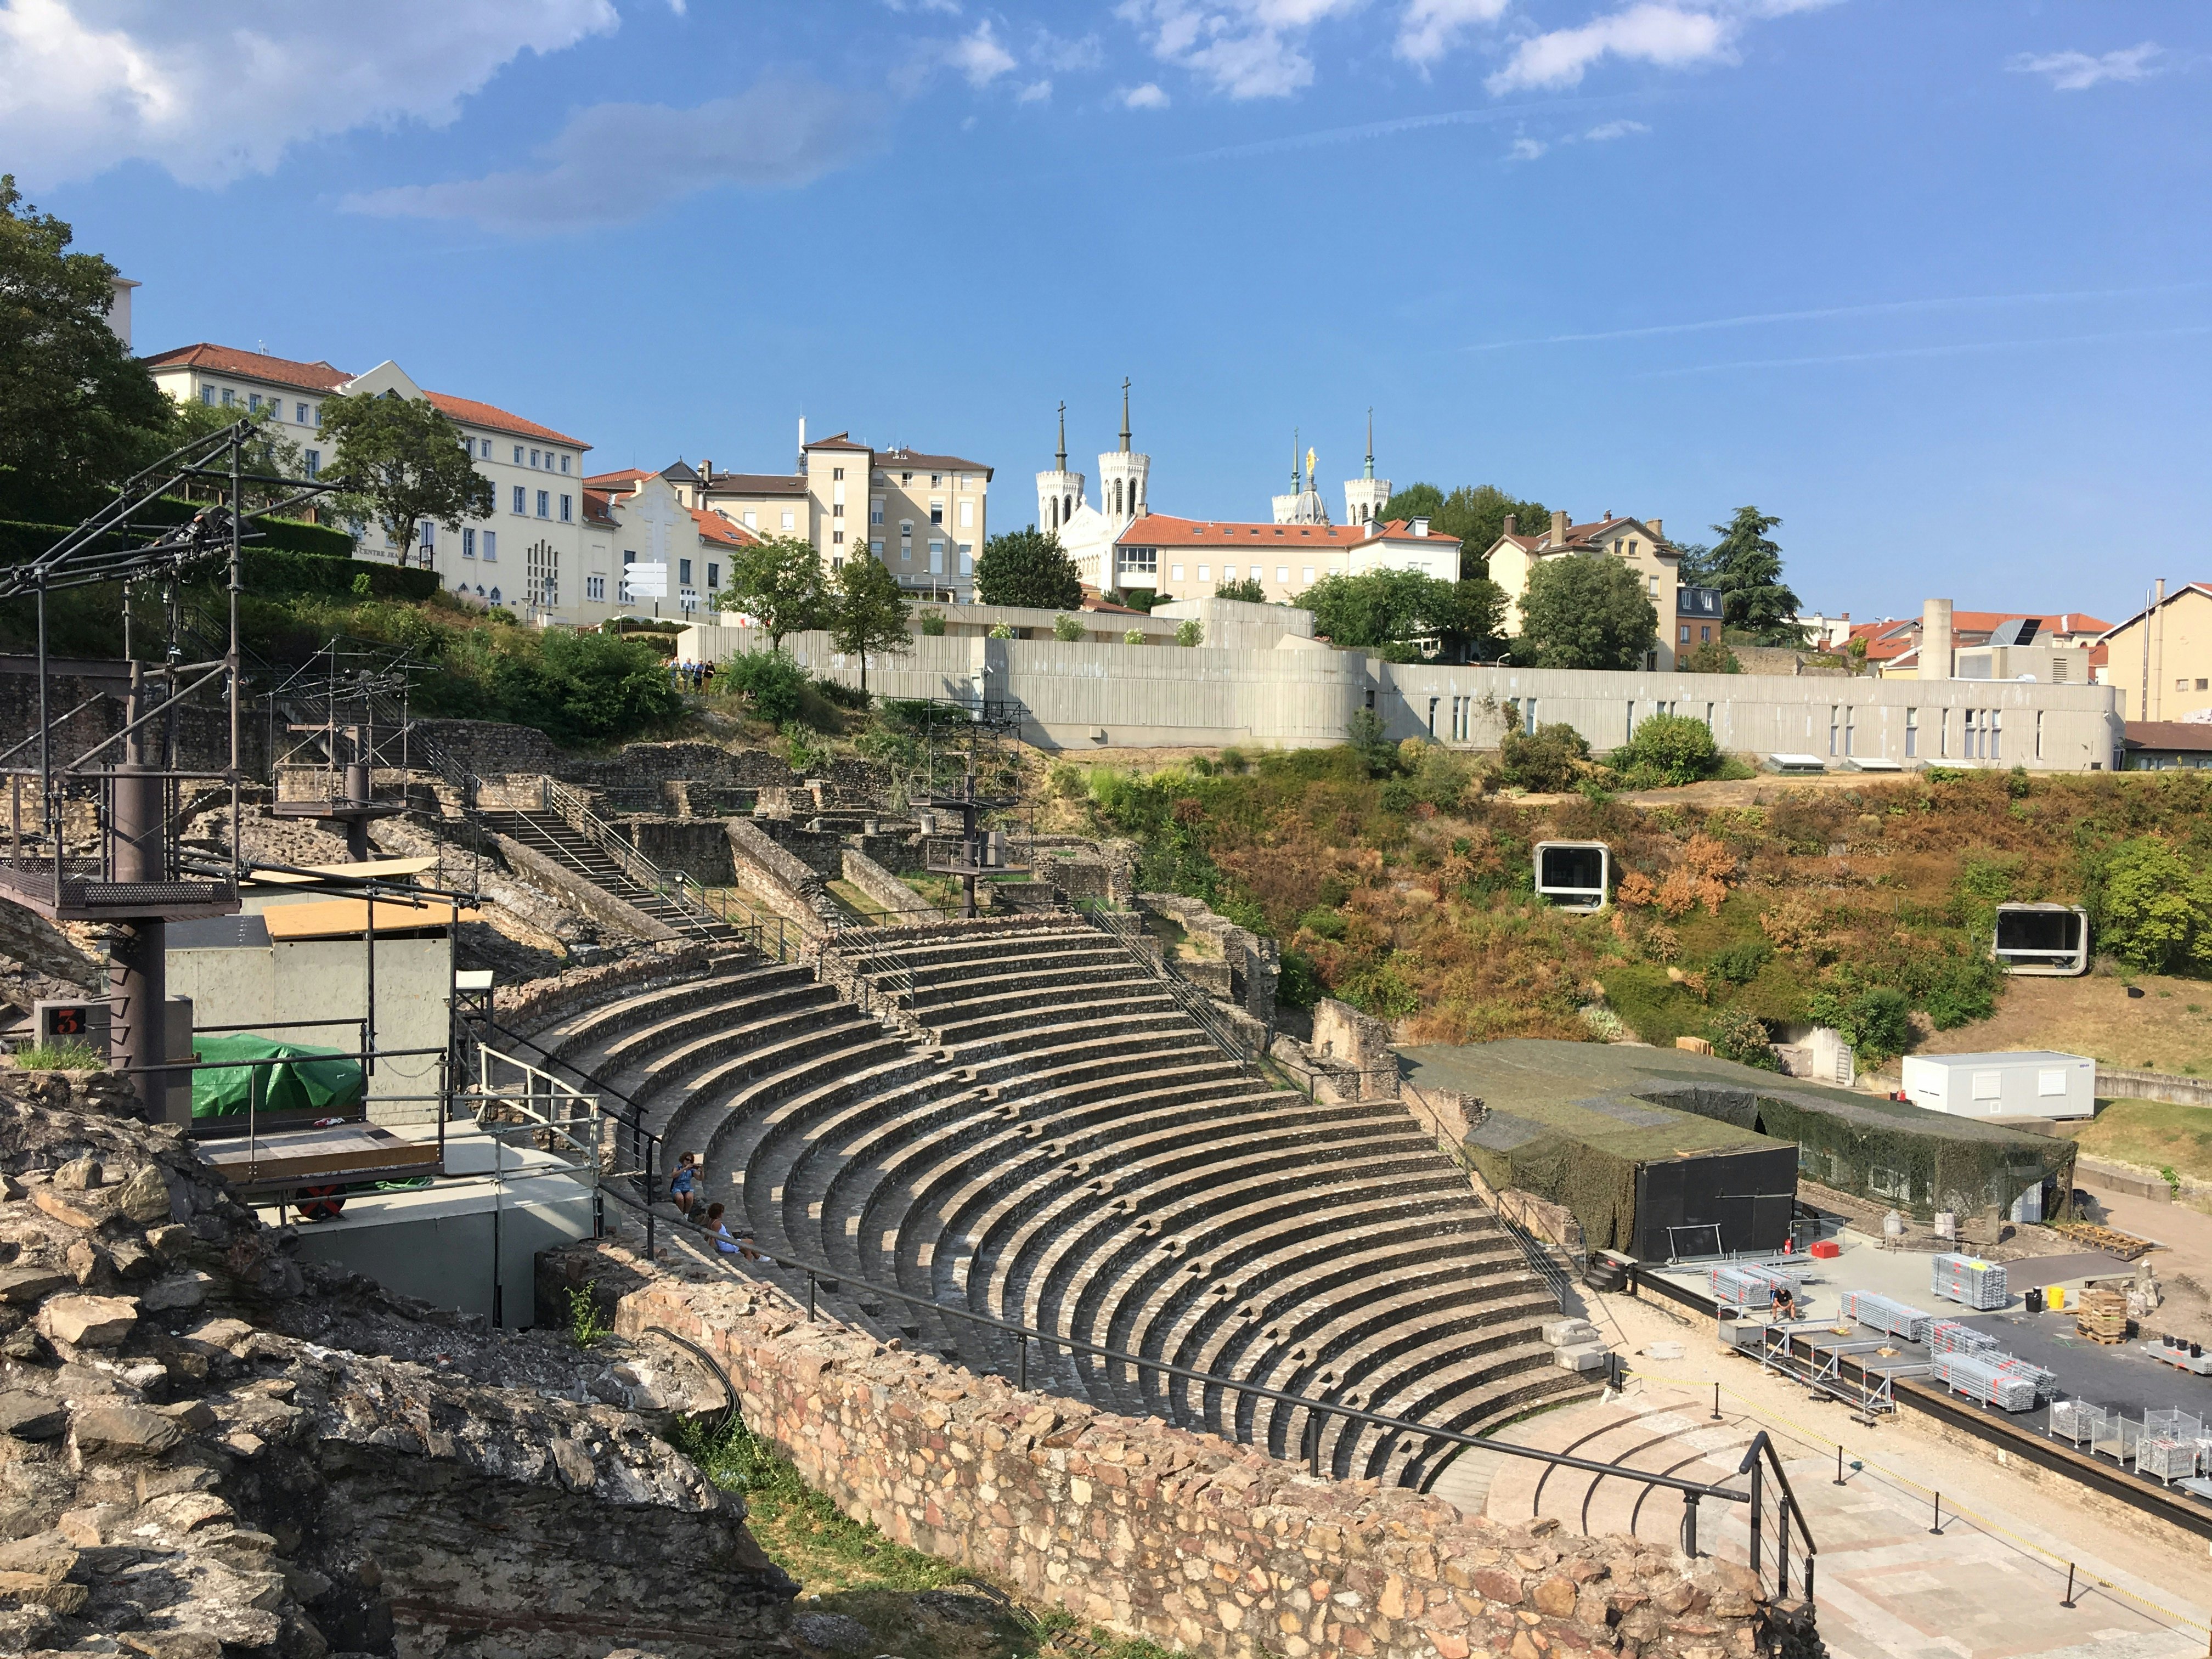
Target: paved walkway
{"x": 1988, "y": 1586}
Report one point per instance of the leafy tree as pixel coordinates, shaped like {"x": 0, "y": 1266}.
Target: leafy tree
{"x": 1066, "y": 628}
{"x": 1476, "y": 514}
{"x": 1388, "y": 611}
{"x": 1469, "y": 618}
{"x": 867, "y": 611}
{"x": 1746, "y": 565}
{"x": 78, "y": 413}
{"x": 1028, "y": 566}
{"x": 1667, "y": 750}
{"x": 1248, "y": 590}
{"x": 1364, "y": 731}
{"x": 779, "y": 583}
{"x": 267, "y": 450}
{"x": 1713, "y": 657}
{"x": 401, "y": 461}
{"x": 1740, "y": 1035}
{"x": 2154, "y": 908}
{"x": 1544, "y": 760}
{"x": 1190, "y": 631}
{"x": 1585, "y": 612}
{"x": 771, "y": 680}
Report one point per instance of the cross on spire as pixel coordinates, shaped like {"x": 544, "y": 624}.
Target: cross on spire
{"x": 1060, "y": 459}
{"x": 1370, "y": 441}
{"x": 1125, "y": 414}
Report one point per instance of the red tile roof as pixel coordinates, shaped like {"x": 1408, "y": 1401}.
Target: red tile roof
{"x": 628, "y": 475}
{"x": 912, "y": 457}
{"x": 758, "y": 483}
{"x": 599, "y": 506}
{"x": 836, "y": 440}
{"x": 1896, "y": 636}
{"x": 1160, "y": 529}
{"x": 713, "y": 527}
{"x": 250, "y": 365}
{"x": 322, "y": 377}
{"x": 2169, "y": 734}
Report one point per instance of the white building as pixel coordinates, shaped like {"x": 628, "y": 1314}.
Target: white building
{"x": 1193, "y": 557}
{"x": 1303, "y": 505}
{"x": 526, "y": 554}
{"x": 1087, "y": 533}
{"x": 649, "y": 552}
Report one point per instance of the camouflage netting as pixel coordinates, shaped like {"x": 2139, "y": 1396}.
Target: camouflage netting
{"x": 1564, "y": 1124}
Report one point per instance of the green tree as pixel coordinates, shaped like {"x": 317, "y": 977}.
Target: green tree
{"x": 1585, "y": 612}
{"x": 867, "y": 611}
{"x": 1028, "y": 566}
{"x": 1249, "y": 591}
{"x": 1746, "y": 565}
{"x": 778, "y": 582}
{"x": 78, "y": 413}
{"x": 1667, "y": 750}
{"x": 402, "y": 462}
{"x": 2154, "y": 908}
{"x": 1711, "y": 658}
{"x": 1476, "y": 514}
{"x": 1067, "y": 629}
{"x": 1389, "y": 610}
{"x": 1469, "y": 618}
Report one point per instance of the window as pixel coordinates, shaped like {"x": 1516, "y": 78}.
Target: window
{"x": 518, "y": 454}
{"x": 207, "y": 396}
{"x": 1704, "y": 634}
{"x": 1176, "y": 574}
{"x": 495, "y": 595}
{"x": 1686, "y": 633}
{"x": 752, "y": 519}
{"x": 1203, "y": 575}
{"x": 543, "y": 583}
{"x": 1283, "y": 575}
{"x": 1989, "y": 1085}
{"x": 468, "y": 544}
{"x": 2038, "y": 734}
{"x": 937, "y": 512}
{"x": 483, "y": 449}
{"x": 967, "y": 558}
{"x": 683, "y": 573}
{"x": 789, "y": 520}
{"x": 518, "y": 499}
{"x": 935, "y": 479}
{"x": 875, "y": 510}
{"x": 568, "y": 509}
{"x": 836, "y": 538}
{"x": 967, "y": 515}
{"x": 492, "y": 546}
{"x": 1652, "y": 583}
{"x": 595, "y": 587}
{"x": 906, "y": 541}
{"x": 714, "y": 577}
{"x": 937, "y": 558}
{"x": 229, "y": 399}
{"x": 1993, "y": 727}
{"x": 534, "y": 458}
{"x": 1141, "y": 561}
{"x": 837, "y": 474}
{"x": 544, "y": 503}
{"x": 313, "y": 459}
{"x": 2181, "y": 686}
{"x": 1911, "y": 733}
{"x": 1309, "y": 574}
{"x": 430, "y": 536}
{"x": 837, "y": 509}
{"x": 564, "y": 463}
{"x": 298, "y": 413}
{"x": 1529, "y": 713}
{"x": 253, "y": 402}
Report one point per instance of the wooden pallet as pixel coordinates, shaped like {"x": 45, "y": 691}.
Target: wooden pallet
{"x": 2126, "y": 1246}
{"x": 2089, "y": 1335}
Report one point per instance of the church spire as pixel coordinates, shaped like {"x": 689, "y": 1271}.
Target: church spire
{"x": 1297, "y": 466}
{"x": 1371, "y": 441}
{"x": 1125, "y": 414}
{"x": 1059, "y": 459}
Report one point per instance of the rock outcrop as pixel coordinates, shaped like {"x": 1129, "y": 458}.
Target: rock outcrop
{"x": 207, "y": 1449}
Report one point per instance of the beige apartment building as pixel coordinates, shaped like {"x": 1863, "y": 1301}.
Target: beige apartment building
{"x": 1688, "y": 616}
{"x": 925, "y": 516}
{"x": 2160, "y": 660}
{"x": 526, "y": 554}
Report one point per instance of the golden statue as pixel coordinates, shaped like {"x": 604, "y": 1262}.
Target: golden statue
{"x": 1310, "y": 473}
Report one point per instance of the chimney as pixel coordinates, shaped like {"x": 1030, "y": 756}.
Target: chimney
{"x": 1560, "y": 528}
{"x": 1935, "y": 640}
{"x": 1512, "y": 524}
{"x": 706, "y": 470}
{"x": 1656, "y": 532}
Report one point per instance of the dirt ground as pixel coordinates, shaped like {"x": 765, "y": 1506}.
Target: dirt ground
{"x": 2167, "y": 1029}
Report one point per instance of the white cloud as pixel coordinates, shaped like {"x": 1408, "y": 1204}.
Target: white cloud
{"x": 220, "y": 89}
{"x": 980, "y": 57}
{"x": 1599, "y": 135}
{"x": 1148, "y": 96}
{"x": 1431, "y": 28}
{"x": 1246, "y": 48}
{"x": 616, "y": 162}
{"x": 1052, "y": 51}
{"x": 2077, "y": 71}
{"x": 1036, "y": 92}
{"x": 1527, "y": 149}
{"x": 943, "y": 8}
{"x": 1654, "y": 32}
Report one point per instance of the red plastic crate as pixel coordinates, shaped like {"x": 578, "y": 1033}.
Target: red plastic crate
{"x": 1827, "y": 1249}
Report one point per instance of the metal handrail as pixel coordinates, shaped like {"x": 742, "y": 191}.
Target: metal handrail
{"x": 1121, "y": 925}
{"x": 1759, "y": 1457}
{"x": 577, "y": 812}
{"x": 1317, "y": 1411}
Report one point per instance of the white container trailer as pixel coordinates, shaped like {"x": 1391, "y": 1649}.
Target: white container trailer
{"x": 2029, "y": 1083}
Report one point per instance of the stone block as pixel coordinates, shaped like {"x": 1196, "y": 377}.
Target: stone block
{"x": 29, "y": 1416}
{"x": 22, "y": 1285}
{"x": 89, "y": 1321}
{"x": 125, "y": 1431}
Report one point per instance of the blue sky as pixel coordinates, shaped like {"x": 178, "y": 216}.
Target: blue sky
{"x": 1931, "y": 281}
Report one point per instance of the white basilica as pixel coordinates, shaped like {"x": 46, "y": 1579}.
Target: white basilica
{"x": 1087, "y": 533}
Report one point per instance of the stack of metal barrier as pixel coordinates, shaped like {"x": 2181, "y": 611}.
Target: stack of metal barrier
{"x": 1980, "y": 1285}
{"x": 1884, "y": 1313}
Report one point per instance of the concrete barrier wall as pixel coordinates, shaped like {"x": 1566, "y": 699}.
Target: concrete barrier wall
{"x": 1296, "y": 694}
{"x": 888, "y": 890}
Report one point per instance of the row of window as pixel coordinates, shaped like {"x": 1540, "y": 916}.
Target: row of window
{"x": 228, "y": 397}
{"x": 967, "y": 551}
{"x": 545, "y": 505}
{"x": 936, "y": 514}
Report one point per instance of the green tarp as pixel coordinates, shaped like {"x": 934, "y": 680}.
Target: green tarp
{"x": 318, "y": 1080}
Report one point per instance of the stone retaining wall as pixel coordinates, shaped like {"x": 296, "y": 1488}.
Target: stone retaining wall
{"x": 534, "y": 868}
{"x": 526, "y": 1007}
{"x": 887, "y": 890}
{"x": 1181, "y": 1537}
{"x": 779, "y": 882}
{"x": 698, "y": 847}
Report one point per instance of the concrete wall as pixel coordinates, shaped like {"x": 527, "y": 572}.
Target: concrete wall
{"x": 888, "y": 890}
{"x": 326, "y": 978}
{"x": 1297, "y": 695}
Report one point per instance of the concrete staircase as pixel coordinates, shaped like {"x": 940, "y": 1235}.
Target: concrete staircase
{"x": 1067, "y": 1149}
{"x": 549, "y": 834}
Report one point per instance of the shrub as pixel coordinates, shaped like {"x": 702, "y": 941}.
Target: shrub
{"x": 1738, "y": 1035}
{"x": 1960, "y": 991}
{"x": 1877, "y": 1023}
{"x": 1544, "y": 760}
{"x": 1066, "y": 630}
{"x": 1190, "y": 631}
{"x": 1711, "y": 658}
{"x": 1001, "y": 631}
{"x": 1363, "y": 731}
{"x": 1135, "y": 636}
{"x": 844, "y": 695}
{"x": 1400, "y": 796}
{"x": 1739, "y": 964}
{"x": 2154, "y": 908}
{"x": 932, "y": 622}
{"x": 1323, "y": 923}
{"x": 769, "y": 679}
{"x": 1233, "y": 762}
{"x": 1382, "y": 992}
{"x": 1249, "y": 591}
{"x": 1667, "y": 750}
{"x": 1299, "y": 982}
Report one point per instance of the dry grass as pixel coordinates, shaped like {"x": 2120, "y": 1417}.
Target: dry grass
{"x": 2151, "y": 1135}
{"x": 2167, "y": 1029}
